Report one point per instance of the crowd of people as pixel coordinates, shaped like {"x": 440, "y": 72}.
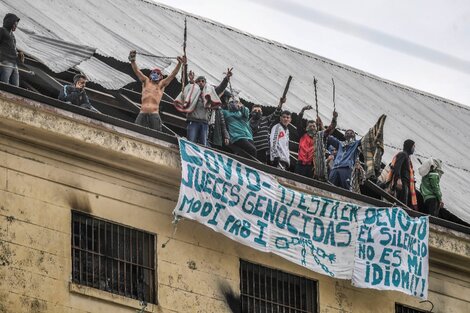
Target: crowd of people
{"x": 216, "y": 117}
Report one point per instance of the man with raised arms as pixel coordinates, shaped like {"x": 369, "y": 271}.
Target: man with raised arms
{"x": 152, "y": 92}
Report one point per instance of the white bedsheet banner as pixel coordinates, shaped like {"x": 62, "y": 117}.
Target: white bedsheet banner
{"x": 392, "y": 251}
{"x": 380, "y": 248}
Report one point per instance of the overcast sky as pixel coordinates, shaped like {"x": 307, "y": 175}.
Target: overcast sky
{"x": 424, "y": 44}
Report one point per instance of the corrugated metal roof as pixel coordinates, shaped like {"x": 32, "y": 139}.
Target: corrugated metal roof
{"x": 56, "y": 54}
{"x": 440, "y": 128}
{"x": 98, "y": 71}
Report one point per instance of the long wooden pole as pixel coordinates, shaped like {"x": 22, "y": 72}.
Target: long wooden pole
{"x": 316, "y": 99}
{"x": 334, "y": 94}
{"x": 286, "y": 89}
{"x": 185, "y": 66}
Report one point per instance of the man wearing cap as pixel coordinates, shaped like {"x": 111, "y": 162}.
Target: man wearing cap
{"x": 152, "y": 92}
{"x": 9, "y": 55}
{"x": 199, "y": 99}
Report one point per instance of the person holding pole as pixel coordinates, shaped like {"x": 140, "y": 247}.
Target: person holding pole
{"x": 307, "y": 138}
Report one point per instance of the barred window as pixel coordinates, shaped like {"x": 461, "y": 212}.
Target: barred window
{"x": 400, "y": 308}
{"x": 269, "y": 290}
{"x": 113, "y": 258}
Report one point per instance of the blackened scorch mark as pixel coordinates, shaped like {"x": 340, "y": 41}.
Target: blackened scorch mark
{"x": 232, "y": 299}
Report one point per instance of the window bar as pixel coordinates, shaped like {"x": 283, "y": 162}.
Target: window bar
{"x": 250, "y": 290}
{"x": 93, "y": 255}
{"x": 254, "y": 287}
{"x": 124, "y": 258}
{"x": 289, "y": 290}
{"x": 80, "y": 277}
{"x": 258, "y": 301}
{"x": 296, "y": 293}
{"x": 265, "y": 291}
{"x": 149, "y": 290}
{"x": 99, "y": 254}
{"x": 87, "y": 249}
{"x": 112, "y": 255}
{"x": 118, "y": 262}
{"x": 130, "y": 268}
{"x": 153, "y": 243}
{"x": 106, "y": 277}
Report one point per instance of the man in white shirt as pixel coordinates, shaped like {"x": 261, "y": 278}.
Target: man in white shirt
{"x": 279, "y": 142}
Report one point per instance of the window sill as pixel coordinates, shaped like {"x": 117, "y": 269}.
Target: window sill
{"x": 109, "y": 297}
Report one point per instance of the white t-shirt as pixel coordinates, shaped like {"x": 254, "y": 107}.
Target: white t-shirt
{"x": 279, "y": 143}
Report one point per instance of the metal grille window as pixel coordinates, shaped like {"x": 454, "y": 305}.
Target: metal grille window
{"x": 400, "y": 308}
{"x": 268, "y": 290}
{"x": 113, "y": 258}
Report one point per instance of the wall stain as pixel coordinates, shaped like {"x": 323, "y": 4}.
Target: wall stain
{"x": 3, "y": 301}
{"x": 231, "y": 298}
{"x": 33, "y": 305}
{"x": 79, "y": 202}
{"x": 5, "y": 254}
{"x": 342, "y": 299}
{"x": 38, "y": 306}
{"x": 192, "y": 265}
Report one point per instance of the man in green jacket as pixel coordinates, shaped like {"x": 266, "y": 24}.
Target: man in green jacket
{"x": 236, "y": 117}
{"x": 431, "y": 171}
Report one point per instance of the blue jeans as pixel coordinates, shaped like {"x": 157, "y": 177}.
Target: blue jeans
{"x": 9, "y": 73}
{"x": 341, "y": 177}
{"x": 198, "y": 132}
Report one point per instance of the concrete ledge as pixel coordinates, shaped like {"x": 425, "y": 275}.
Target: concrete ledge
{"x": 88, "y": 138}
{"x": 110, "y": 297}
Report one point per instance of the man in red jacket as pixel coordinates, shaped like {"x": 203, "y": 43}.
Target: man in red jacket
{"x": 306, "y": 133}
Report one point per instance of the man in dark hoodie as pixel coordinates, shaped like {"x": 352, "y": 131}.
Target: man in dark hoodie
{"x": 9, "y": 55}
{"x": 261, "y": 127}
{"x": 402, "y": 175}
{"x": 75, "y": 94}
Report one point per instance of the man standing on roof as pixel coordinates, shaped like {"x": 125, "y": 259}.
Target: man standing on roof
{"x": 199, "y": 99}
{"x": 152, "y": 92}
{"x": 402, "y": 175}
{"x": 279, "y": 142}
{"x": 218, "y": 135}
{"x": 307, "y": 137}
{"x": 431, "y": 171}
{"x": 76, "y": 94}
{"x": 237, "y": 117}
{"x": 9, "y": 55}
{"x": 261, "y": 126}
{"x": 346, "y": 155}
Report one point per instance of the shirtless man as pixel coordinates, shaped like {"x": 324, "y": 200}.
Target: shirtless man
{"x": 152, "y": 92}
